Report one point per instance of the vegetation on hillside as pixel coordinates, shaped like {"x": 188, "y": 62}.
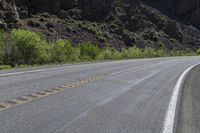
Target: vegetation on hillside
{"x": 29, "y": 48}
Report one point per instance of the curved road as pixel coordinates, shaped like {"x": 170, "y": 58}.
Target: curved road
{"x": 129, "y": 96}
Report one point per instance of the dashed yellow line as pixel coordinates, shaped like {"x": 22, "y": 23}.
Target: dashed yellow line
{"x": 40, "y": 94}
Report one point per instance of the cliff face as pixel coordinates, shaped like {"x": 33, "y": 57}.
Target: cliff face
{"x": 119, "y": 23}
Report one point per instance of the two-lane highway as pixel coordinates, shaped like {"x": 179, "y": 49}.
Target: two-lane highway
{"x": 130, "y": 96}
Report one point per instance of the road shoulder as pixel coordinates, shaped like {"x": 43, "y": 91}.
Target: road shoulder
{"x": 189, "y": 112}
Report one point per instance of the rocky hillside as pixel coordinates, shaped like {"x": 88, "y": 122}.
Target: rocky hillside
{"x": 187, "y": 10}
{"x": 173, "y": 24}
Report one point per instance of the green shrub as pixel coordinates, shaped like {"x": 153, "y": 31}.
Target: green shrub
{"x": 90, "y": 27}
{"x": 2, "y": 37}
{"x": 161, "y": 53}
{"x": 149, "y": 52}
{"x": 198, "y": 51}
{"x": 110, "y": 54}
{"x": 88, "y": 51}
{"x": 106, "y": 54}
{"x": 94, "y": 29}
{"x": 116, "y": 54}
{"x": 62, "y": 51}
{"x": 28, "y": 47}
{"x": 132, "y": 53}
{"x": 101, "y": 37}
{"x": 44, "y": 53}
{"x": 75, "y": 56}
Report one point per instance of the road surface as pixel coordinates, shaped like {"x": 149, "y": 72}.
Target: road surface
{"x": 130, "y": 96}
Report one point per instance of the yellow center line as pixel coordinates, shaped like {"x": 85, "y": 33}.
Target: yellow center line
{"x": 40, "y": 94}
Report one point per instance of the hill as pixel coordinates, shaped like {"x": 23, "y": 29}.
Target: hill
{"x": 173, "y": 24}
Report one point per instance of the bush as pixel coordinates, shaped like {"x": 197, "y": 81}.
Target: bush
{"x": 111, "y": 53}
{"x": 116, "y": 54}
{"x": 107, "y": 54}
{"x": 94, "y": 29}
{"x": 75, "y": 56}
{"x": 2, "y": 37}
{"x": 28, "y": 47}
{"x": 62, "y": 51}
{"x": 161, "y": 52}
{"x": 149, "y": 52}
{"x": 198, "y": 51}
{"x": 88, "y": 51}
{"x": 101, "y": 37}
{"x": 44, "y": 54}
{"x": 132, "y": 53}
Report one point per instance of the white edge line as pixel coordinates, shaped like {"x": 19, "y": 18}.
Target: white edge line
{"x": 49, "y": 69}
{"x": 171, "y": 111}
{"x": 34, "y": 71}
{"x": 58, "y": 68}
{"x": 71, "y": 66}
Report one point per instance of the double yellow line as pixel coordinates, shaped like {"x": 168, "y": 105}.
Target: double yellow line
{"x": 28, "y": 98}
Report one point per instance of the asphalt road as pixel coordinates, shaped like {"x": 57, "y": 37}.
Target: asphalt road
{"x": 129, "y": 96}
